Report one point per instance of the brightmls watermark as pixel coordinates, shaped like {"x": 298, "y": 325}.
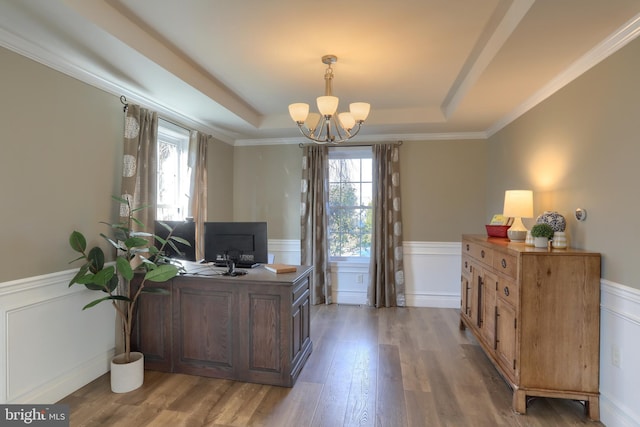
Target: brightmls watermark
{"x": 34, "y": 415}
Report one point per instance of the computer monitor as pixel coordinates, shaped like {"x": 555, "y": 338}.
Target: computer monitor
{"x": 183, "y": 229}
{"x": 243, "y": 242}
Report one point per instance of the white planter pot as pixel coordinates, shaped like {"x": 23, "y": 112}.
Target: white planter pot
{"x": 127, "y": 377}
{"x": 540, "y": 242}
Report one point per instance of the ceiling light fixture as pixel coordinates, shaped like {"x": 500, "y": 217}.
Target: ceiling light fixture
{"x": 329, "y": 127}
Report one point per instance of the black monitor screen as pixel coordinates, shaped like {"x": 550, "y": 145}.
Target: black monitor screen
{"x": 184, "y": 229}
{"x": 240, "y": 241}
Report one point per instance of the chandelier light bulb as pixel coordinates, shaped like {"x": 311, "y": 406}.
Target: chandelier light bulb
{"x": 327, "y": 127}
{"x": 327, "y": 105}
{"x": 347, "y": 121}
{"x": 299, "y": 112}
{"x": 359, "y": 111}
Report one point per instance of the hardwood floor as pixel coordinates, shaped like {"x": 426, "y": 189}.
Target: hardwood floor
{"x": 369, "y": 367}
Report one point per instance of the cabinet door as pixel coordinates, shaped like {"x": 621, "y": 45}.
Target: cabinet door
{"x": 506, "y": 332}
{"x": 490, "y": 286}
{"x": 152, "y": 327}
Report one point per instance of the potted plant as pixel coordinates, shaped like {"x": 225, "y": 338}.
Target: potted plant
{"x": 541, "y": 234}
{"x": 136, "y": 252}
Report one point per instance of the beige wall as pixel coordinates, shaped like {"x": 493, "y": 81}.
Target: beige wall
{"x": 220, "y": 181}
{"x": 59, "y": 165}
{"x": 266, "y": 183}
{"x": 443, "y": 188}
{"x": 581, "y": 148}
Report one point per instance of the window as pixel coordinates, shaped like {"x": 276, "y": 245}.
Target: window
{"x": 172, "y": 203}
{"x": 350, "y": 207}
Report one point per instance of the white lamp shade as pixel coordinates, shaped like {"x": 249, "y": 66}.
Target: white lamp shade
{"x": 518, "y": 203}
{"x": 327, "y": 105}
{"x": 347, "y": 121}
{"x": 299, "y": 112}
{"x": 312, "y": 121}
{"x": 359, "y": 111}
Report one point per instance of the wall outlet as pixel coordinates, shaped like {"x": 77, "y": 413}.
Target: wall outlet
{"x": 359, "y": 278}
{"x": 615, "y": 355}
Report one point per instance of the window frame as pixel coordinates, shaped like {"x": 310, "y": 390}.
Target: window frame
{"x": 170, "y": 133}
{"x": 359, "y": 152}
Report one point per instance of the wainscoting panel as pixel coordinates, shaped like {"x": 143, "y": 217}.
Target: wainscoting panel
{"x": 432, "y": 273}
{"x": 285, "y": 251}
{"x": 619, "y": 350}
{"x": 49, "y": 346}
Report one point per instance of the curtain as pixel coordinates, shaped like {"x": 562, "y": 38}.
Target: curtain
{"x": 198, "y": 186}
{"x": 139, "y": 171}
{"x": 314, "y": 220}
{"x": 386, "y": 274}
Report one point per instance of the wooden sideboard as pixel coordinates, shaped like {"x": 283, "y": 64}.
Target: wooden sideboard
{"x": 252, "y": 328}
{"x": 536, "y": 314}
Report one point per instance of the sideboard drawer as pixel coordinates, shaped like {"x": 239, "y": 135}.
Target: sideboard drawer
{"x": 481, "y": 253}
{"x": 506, "y": 264}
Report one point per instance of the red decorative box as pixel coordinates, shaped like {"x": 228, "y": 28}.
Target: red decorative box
{"x": 497, "y": 230}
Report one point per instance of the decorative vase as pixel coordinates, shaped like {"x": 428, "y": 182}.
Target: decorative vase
{"x": 559, "y": 240}
{"x": 540, "y": 242}
{"x": 127, "y": 377}
{"x": 528, "y": 241}
{"x": 554, "y": 219}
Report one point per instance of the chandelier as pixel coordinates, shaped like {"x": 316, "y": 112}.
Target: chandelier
{"x": 329, "y": 127}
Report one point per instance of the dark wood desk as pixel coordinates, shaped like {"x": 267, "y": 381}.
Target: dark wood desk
{"x": 252, "y": 328}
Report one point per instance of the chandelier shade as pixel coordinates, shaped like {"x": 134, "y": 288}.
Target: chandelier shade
{"x": 327, "y": 126}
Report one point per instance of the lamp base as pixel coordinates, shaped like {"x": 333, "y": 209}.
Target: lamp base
{"x": 517, "y": 235}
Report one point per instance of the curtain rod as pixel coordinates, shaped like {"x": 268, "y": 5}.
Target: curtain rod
{"x": 301, "y": 145}
{"x": 123, "y": 100}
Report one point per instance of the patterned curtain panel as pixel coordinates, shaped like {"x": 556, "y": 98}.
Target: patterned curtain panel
{"x": 198, "y": 186}
{"x": 139, "y": 163}
{"x": 314, "y": 220}
{"x": 386, "y": 285}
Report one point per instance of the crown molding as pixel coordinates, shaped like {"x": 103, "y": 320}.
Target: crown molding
{"x": 620, "y": 38}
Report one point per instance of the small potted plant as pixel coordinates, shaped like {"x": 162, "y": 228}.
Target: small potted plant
{"x": 541, "y": 234}
{"x": 136, "y": 253}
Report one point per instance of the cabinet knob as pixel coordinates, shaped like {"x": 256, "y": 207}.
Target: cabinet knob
{"x": 482, "y": 253}
{"x": 506, "y": 290}
{"x": 466, "y": 265}
{"x": 504, "y": 263}
{"x": 467, "y": 246}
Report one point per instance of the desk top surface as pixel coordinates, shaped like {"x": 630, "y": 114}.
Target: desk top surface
{"x": 257, "y": 274}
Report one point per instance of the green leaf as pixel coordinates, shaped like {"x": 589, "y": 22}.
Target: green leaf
{"x": 160, "y": 239}
{"x": 83, "y": 280}
{"x": 137, "y": 221}
{"x": 81, "y": 272}
{"x": 113, "y": 284}
{"x": 111, "y": 297}
{"x": 120, "y": 199}
{"x": 166, "y": 226}
{"x": 162, "y": 273}
{"x": 96, "y": 258}
{"x": 181, "y": 240}
{"x": 103, "y": 276}
{"x": 77, "y": 241}
{"x": 124, "y": 268}
{"x": 92, "y": 286}
{"x": 135, "y": 242}
{"x": 140, "y": 234}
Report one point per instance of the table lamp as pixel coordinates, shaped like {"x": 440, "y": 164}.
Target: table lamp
{"x": 518, "y": 204}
